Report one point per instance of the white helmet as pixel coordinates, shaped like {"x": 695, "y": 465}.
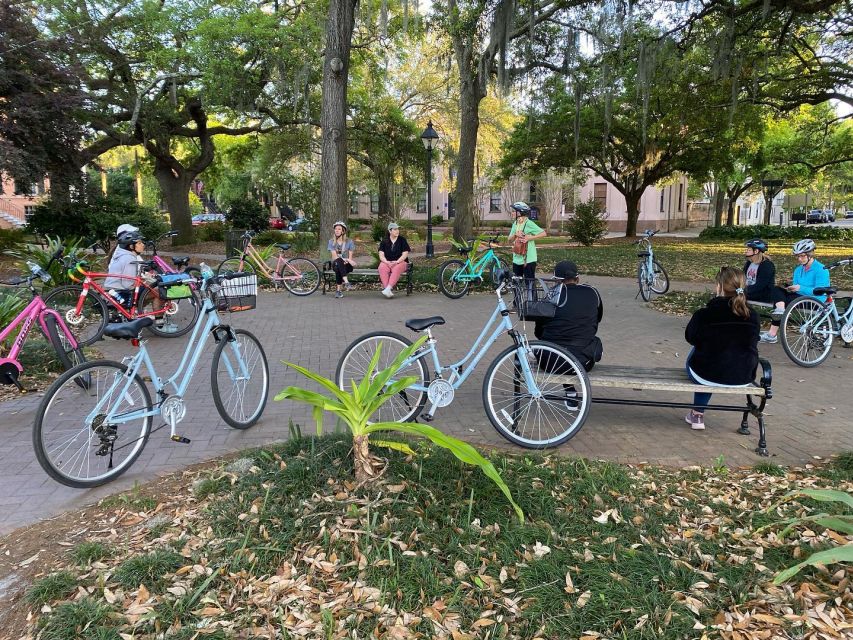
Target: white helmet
{"x": 125, "y": 228}
{"x": 804, "y": 246}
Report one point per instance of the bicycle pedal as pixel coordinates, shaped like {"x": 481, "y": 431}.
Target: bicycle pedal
{"x": 180, "y": 439}
{"x": 426, "y": 417}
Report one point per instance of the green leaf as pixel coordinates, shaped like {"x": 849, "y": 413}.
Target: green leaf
{"x": 318, "y": 418}
{"x": 828, "y": 556}
{"x": 396, "y": 446}
{"x": 839, "y": 524}
{"x": 826, "y": 495}
{"x": 462, "y": 450}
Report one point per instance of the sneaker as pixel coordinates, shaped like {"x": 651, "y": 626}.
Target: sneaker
{"x": 766, "y": 337}
{"x": 695, "y": 420}
{"x": 777, "y": 311}
{"x": 572, "y": 403}
{"x": 347, "y": 286}
{"x": 387, "y": 292}
{"x": 339, "y": 294}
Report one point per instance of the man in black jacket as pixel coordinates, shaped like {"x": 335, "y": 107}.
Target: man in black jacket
{"x": 575, "y": 323}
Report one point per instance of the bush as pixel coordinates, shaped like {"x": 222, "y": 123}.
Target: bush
{"x": 10, "y": 238}
{"x": 437, "y": 219}
{"x": 589, "y": 223}
{"x": 246, "y": 213}
{"x": 211, "y": 232}
{"x": 378, "y": 230}
{"x": 270, "y": 236}
{"x": 496, "y": 224}
{"x": 301, "y": 243}
{"x": 769, "y": 231}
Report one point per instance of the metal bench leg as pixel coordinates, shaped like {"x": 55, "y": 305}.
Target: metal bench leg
{"x": 744, "y": 424}
{"x": 762, "y": 441}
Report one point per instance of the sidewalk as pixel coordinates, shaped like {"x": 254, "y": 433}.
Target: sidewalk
{"x": 805, "y": 417}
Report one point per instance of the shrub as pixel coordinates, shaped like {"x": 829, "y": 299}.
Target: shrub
{"x": 270, "y": 236}
{"x": 378, "y": 231}
{"x": 211, "y": 232}
{"x": 10, "y": 306}
{"x": 588, "y": 224}
{"x": 437, "y": 219}
{"x": 769, "y": 231}
{"x": 10, "y": 238}
{"x": 246, "y": 213}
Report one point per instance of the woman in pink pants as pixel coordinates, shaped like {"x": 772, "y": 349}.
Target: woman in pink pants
{"x": 393, "y": 258}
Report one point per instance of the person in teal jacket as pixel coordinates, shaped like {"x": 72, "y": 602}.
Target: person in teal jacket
{"x": 809, "y": 275}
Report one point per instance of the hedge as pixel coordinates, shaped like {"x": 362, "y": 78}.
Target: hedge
{"x": 769, "y": 231}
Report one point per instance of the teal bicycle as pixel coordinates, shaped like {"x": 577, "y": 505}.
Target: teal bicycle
{"x": 455, "y": 276}
{"x": 87, "y": 435}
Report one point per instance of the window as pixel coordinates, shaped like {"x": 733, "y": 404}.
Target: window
{"x": 422, "y": 202}
{"x": 374, "y": 203}
{"x": 451, "y": 206}
{"x": 495, "y": 201}
{"x": 534, "y": 197}
{"x": 662, "y": 192}
{"x": 29, "y": 210}
{"x": 599, "y": 194}
{"x": 680, "y": 196}
{"x": 353, "y": 203}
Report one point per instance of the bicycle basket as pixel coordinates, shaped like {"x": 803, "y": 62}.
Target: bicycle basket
{"x": 239, "y": 294}
{"x": 532, "y": 302}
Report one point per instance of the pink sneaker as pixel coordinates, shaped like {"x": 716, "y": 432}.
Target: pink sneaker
{"x": 695, "y": 420}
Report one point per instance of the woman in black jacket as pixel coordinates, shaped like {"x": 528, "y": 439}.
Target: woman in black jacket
{"x": 724, "y": 336}
{"x": 761, "y": 275}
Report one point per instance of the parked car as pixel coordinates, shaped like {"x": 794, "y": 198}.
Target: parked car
{"x": 204, "y": 218}
{"x": 848, "y": 214}
{"x": 277, "y": 223}
{"x": 830, "y": 215}
{"x": 298, "y": 225}
{"x": 814, "y": 216}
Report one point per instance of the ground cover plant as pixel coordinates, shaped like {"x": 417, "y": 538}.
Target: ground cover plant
{"x": 282, "y": 543}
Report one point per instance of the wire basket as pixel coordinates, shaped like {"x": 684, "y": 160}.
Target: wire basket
{"x": 238, "y": 294}
{"x": 532, "y": 299}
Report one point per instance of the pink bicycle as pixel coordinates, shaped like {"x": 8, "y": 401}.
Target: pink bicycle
{"x": 51, "y": 324}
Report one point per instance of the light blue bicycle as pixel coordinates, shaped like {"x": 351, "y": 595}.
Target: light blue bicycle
{"x": 535, "y": 393}
{"x": 85, "y": 437}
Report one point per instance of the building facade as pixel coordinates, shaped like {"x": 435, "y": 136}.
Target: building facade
{"x": 18, "y": 200}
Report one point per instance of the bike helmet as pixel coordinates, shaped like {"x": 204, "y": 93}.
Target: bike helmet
{"x": 128, "y": 238}
{"x": 341, "y": 223}
{"x": 804, "y": 246}
{"x": 522, "y": 208}
{"x": 758, "y": 244}
{"x": 124, "y": 228}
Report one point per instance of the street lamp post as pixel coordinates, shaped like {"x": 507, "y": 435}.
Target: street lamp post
{"x": 429, "y": 137}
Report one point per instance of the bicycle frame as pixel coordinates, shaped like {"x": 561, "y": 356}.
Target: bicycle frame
{"x": 646, "y": 246}
{"x": 250, "y": 252}
{"x": 36, "y": 310}
{"x": 89, "y": 282}
{"x": 474, "y": 271}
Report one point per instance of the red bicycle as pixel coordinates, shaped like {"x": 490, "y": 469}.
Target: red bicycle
{"x": 87, "y": 307}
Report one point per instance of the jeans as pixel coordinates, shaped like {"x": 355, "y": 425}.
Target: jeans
{"x": 341, "y": 270}
{"x": 390, "y": 274}
{"x": 700, "y": 400}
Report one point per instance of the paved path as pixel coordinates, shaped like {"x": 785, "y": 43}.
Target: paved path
{"x": 805, "y": 416}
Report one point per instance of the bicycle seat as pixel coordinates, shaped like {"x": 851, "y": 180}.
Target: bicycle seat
{"x": 825, "y": 291}
{"x": 419, "y": 324}
{"x": 127, "y": 330}
{"x": 283, "y": 246}
{"x": 643, "y": 254}
{"x": 464, "y": 250}
{"x": 180, "y": 261}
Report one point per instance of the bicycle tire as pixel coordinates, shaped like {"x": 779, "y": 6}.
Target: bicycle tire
{"x": 499, "y": 265}
{"x": 88, "y": 327}
{"x": 643, "y": 281}
{"x": 195, "y": 272}
{"x": 243, "y": 337}
{"x": 504, "y": 388}
{"x": 659, "y": 273}
{"x": 183, "y": 323}
{"x": 352, "y": 366}
{"x": 96, "y": 371}
{"x": 453, "y": 289}
{"x": 309, "y": 272}
{"x": 232, "y": 265}
{"x": 809, "y": 346}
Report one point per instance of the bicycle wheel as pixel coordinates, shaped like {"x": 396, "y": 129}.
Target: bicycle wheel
{"x": 87, "y": 326}
{"x": 807, "y": 330}
{"x": 448, "y": 279}
{"x": 232, "y": 265}
{"x": 240, "y": 380}
{"x": 82, "y": 451}
{"x": 498, "y": 266}
{"x": 660, "y": 280}
{"x": 352, "y": 367}
{"x": 300, "y": 276}
{"x": 537, "y": 420}
{"x": 178, "y": 317}
{"x": 643, "y": 281}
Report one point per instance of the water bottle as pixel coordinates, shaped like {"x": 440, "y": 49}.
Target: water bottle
{"x": 115, "y": 294}
{"x": 206, "y": 271}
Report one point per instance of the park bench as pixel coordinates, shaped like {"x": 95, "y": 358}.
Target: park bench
{"x": 362, "y": 274}
{"x": 654, "y": 381}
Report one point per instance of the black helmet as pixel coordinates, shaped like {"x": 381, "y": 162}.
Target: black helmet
{"x": 758, "y": 244}
{"x": 128, "y": 238}
{"x": 521, "y": 207}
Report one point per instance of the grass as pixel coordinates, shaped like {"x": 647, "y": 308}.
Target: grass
{"x": 86, "y": 619}
{"x": 87, "y": 552}
{"x": 606, "y": 549}
{"x": 132, "y": 499}
{"x": 51, "y": 587}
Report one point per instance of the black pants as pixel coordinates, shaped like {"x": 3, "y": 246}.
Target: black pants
{"x": 528, "y": 272}
{"x": 784, "y": 296}
{"x": 341, "y": 269}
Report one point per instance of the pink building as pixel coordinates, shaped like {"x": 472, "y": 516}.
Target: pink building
{"x": 17, "y": 201}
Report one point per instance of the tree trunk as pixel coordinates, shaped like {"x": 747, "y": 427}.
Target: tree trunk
{"x": 632, "y": 200}
{"x": 366, "y": 466}
{"x": 718, "y": 207}
{"x": 469, "y": 103}
{"x": 333, "y": 177}
{"x": 730, "y": 213}
{"x": 384, "y": 185}
{"x": 176, "y": 194}
{"x": 768, "y": 204}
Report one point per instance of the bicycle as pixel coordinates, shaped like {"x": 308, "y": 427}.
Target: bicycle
{"x": 300, "y": 276}
{"x": 87, "y": 437}
{"x": 87, "y": 307}
{"x": 178, "y": 262}
{"x": 455, "y": 276}
{"x": 809, "y": 325}
{"x": 651, "y": 276}
{"x": 535, "y": 393}
{"x": 68, "y": 352}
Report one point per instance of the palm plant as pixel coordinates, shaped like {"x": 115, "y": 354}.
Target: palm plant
{"x": 355, "y": 408}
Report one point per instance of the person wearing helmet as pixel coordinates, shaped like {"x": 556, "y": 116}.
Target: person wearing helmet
{"x": 125, "y": 228}
{"x": 809, "y": 274}
{"x": 523, "y": 235}
{"x": 760, "y": 273}
{"x": 123, "y": 267}
{"x": 341, "y": 248}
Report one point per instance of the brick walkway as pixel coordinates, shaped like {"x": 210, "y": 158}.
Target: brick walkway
{"x": 805, "y": 416}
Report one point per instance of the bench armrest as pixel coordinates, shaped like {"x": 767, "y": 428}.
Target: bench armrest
{"x": 766, "y": 377}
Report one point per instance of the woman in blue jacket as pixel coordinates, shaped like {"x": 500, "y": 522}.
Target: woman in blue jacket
{"x": 809, "y": 274}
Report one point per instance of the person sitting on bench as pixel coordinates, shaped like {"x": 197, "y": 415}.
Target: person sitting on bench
{"x": 393, "y": 259}
{"x": 809, "y": 274}
{"x": 761, "y": 276}
{"x": 724, "y": 335}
